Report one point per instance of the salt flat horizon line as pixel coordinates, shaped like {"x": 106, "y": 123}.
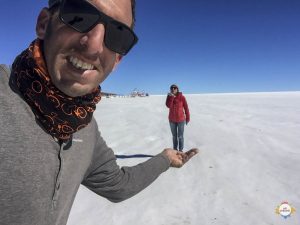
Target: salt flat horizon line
{"x": 246, "y": 92}
{"x": 229, "y": 93}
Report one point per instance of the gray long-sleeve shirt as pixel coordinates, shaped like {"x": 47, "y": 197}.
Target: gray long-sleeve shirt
{"x": 39, "y": 178}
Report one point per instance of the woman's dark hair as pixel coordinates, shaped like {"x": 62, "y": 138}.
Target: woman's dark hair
{"x": 174, "y": 86}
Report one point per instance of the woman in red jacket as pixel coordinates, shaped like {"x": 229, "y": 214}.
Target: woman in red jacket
{"x": 178, "y": 115}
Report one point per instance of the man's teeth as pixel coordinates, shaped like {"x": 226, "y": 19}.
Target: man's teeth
{"x": 80, "y": 64}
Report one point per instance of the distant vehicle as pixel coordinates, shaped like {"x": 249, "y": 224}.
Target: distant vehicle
{"x": 137, "y": 93}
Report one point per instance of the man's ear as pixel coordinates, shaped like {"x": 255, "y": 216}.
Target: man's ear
{"x": 42, "y": 23}
{"x": 118, "y": 60}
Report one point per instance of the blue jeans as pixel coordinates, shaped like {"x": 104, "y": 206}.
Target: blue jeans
{"x": 177, "y": 130}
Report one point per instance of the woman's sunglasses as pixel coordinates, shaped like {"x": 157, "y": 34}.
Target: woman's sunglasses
{"x": 83, "y": 17}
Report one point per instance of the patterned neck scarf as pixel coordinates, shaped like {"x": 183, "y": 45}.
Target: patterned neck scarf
{"x": 60, "y": 115}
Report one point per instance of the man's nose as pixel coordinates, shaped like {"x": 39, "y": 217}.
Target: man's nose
{"x": 94, "y": 39}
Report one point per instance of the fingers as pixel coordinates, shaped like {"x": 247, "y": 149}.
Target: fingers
{"x": 192, "y": 152}
{"x": 177, "y": 158}
{"x": 184, "y": 157}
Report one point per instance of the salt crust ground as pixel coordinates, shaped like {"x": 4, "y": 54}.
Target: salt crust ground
{"x": 249, "y": 161}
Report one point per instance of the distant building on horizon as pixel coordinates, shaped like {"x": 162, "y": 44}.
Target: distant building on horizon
{"x": 106, "y": 94}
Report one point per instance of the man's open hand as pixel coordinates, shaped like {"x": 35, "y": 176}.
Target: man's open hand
{"x": 177, "y": 158}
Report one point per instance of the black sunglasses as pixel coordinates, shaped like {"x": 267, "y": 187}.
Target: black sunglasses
{"x": 82, "y": 16}
{"x": 174, "y": 87}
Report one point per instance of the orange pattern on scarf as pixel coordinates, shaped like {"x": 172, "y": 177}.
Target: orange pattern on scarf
{"x": 60, "y": 115}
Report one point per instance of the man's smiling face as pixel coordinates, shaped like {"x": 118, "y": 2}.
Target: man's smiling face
{"x": 79, "y": 62}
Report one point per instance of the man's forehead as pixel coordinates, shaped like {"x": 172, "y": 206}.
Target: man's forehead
{"x": 109, "y": 3}
{"x": 118, "y": 9}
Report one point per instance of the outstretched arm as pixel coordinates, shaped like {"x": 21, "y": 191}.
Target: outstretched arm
{"x": 107, "y": 179}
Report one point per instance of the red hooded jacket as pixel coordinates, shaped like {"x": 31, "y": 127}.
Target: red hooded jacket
{"x": 178, "y": 108}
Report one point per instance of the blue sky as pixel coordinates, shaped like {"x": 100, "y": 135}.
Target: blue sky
{"x": 204, "y": 46}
